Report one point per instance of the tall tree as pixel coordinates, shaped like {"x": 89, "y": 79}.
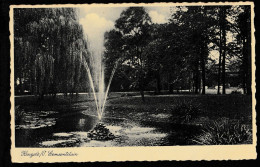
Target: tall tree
{"x": 156, "y": 52}
{"x": 48, "y": 49}
{"x": 195, "y": 24}
{"x": 134, "y": 26}
{"x": 223, "y": 44}
{"x": 244, "y": 37}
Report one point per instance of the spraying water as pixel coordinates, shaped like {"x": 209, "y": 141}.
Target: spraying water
{"x": 93, "y": 88}
{"x": 109, "y": 83}
{"x": 100, "y": 96}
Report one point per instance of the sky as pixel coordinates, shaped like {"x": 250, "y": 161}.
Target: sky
{"x": 97, "y": 20}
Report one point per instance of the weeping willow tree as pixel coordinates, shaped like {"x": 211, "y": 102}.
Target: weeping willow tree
{"x": 50, "y": 51}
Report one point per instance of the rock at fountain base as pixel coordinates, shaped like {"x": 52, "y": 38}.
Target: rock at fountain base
{"x": 100, "y": 132}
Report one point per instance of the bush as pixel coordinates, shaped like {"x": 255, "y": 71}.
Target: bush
{"x": 186, "y": 111}
{"x": 224, "y": 131}
{"x": 19, "y": 112}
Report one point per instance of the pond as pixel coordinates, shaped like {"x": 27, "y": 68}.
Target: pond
{"x": 70, "y": 130}
{"x": 52, "y": 129}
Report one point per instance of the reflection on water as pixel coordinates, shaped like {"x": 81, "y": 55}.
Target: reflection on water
{"x": 71, "y": 130}
{"x": 55, "y": 142}
{"x": 125, "y": 136}
{"x": 129, "y": 136}
{"x": 72, "y": 122}
{"x": 62, "y": 134}
{"x": 35, "y": 120}
{"x": 81, "y": 122}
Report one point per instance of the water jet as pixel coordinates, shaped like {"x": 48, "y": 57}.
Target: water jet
{"x": 100, "y": 96}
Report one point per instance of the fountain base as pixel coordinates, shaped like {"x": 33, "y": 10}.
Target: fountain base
{"x": 100, "y": 132}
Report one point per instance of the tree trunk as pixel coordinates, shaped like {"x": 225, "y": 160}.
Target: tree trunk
{"x": 196, "y": 80}
{"x": 249, "y": 64}
{"x": 141, "y": 87}
{"x": 224, "y": 67}
{"x": 142, "y": 95}
{"x": 54, "y": 96}
{"x": 158, "y": 79}
{"x": 203, "y": 73}
{"x": 21, "y": 85}
{"x": 30, "y": 84}
{"x": 41, "y": 96}
{"x": 203, "y": 80}
{"x": 141, "y": 79}
{"x": 199, "y": 78}
{"x": 170, "y": 85}
{"x": 219, "y": 61}
{"x": 223, "y": 18}
{"x": 244, "y": 80}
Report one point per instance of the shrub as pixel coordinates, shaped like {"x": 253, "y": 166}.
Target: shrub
{"x": 19, "y": 112}
{"x": 186, "y": 111}
{"x": 224, "y": 131}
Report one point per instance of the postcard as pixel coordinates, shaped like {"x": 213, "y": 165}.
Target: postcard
{"x": 132, "y": 82}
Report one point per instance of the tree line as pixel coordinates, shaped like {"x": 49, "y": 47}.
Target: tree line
{"x": 50, "y": 51}
{"x": 176, "y": 55}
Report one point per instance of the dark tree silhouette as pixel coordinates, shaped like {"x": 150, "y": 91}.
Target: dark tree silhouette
{"x": 49, "y": 43}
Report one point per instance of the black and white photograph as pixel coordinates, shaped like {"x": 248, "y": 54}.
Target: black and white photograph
{"x": 137, "y": 75}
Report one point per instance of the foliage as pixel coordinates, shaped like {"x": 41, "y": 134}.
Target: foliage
{"x": 186, "y": 111}
{"x": 224, "y": 131}
{"x": 132, "y": 29}
{"x": 177, "y": 54}
{"x": 50, "y": 50}
{"x": 19, "y": 112}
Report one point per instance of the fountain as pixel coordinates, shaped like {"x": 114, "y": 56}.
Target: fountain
{"x": 100, "y": 132}
{"x": 100, "y": 97}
